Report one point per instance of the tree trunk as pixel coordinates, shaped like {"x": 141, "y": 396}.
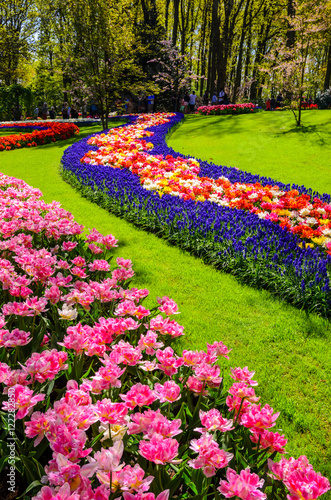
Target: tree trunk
{"x": 166, "y": 20}
{"x": 184, "y": 23}
{"x": 290, "y": 38}
{"x": 145, "y": 11}
{"x": 248, "y": 55}
{"x": 224, "y": 46}
{"x": 214, "y": 45}
{"x": 202, "y": 48}
{"x": 290, "y": 34}
{"x": 240, "y": 54}
{"x": 175, "y": 25}
{"x": 260, "y": 52}
{"x": 327, "y": 80}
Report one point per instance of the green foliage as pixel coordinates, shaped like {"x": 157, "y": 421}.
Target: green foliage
{"x": 15, "y": 97}
{"x": 17, "y": 28}
{"x": 148, "y": 31}
{"x": 323, "y": 99}
{"x": 48, "y": 88}
{"x": 101, "y": 60}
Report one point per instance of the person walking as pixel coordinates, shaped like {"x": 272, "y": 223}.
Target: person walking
{"x": 65, "y": 112}
{"x": 131, "y": 106}
{"x": 193, "y": 99}
{"x": 150, "y": 107}
{"x": 52, "y": 113}
{"x": 44, "y": 111}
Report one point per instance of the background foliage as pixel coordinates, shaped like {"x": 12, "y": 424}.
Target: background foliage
{"x": 78, "y": 50}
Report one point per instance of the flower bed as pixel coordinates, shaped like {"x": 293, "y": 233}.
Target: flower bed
{"x": 227, "y": 109}
{"x": 95, "y": 400}
{"x": 306, "y": 105}
{"x": 43, "y": 133}
{"x": 248, "y": 243}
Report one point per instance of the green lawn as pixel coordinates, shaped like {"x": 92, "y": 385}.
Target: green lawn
{"x": 10, "y": 131}
{"x": 288, "y": 349}
{"x": 263, "y": 143}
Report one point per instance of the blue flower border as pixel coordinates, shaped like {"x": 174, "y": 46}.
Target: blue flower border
{"x": 257, "y": 251}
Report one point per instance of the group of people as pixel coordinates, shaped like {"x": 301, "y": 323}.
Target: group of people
{"x": 185, "y": 103}
{"x": 69, "y": 112}
{"x": 272, "y": 103}
{"x": 144, "y": 104}
{"x": 188, "y": 103}
{"x": 45, "y": 112}
{"x": 221, "y": 98}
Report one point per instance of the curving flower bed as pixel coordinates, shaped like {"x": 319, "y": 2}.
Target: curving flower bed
{"x": 239, "y": 222}
{"x": 96, "y": 403}
{"x": 125, "y": 148}
{"x": 43, "y": 133}
{"x": 227, "y": 109}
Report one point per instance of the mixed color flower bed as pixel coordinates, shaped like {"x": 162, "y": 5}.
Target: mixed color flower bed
{"x": 227, "y": 109}
{"x": 96, "y": 404}
{"x": 267, "y": 233}
{"x": 43, "y": 133}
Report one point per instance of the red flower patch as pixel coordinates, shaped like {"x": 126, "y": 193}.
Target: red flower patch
{"x": 54, "y": 132}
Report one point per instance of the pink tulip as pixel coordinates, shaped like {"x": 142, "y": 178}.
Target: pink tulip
{"x": 112, "y": 413}
{"x": 168, "y": 392}
{"x": 245, "y": 485}
{"x": 299, "y": 478}
{"x": 212, "y": 420}
{"x": 24, "y": 401}
{"x": 257, "y": 419}
{"x": 243, "y": 375}
{"x": 139, "y": 395}
{"x": 159, "y": 450}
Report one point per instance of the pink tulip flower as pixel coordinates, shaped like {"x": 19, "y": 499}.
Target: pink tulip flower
{"x": 159, "y": 450}
{"x": 245, "y": 485}
{"x": 139, "y": 395}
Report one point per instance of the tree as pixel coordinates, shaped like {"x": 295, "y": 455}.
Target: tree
{"x": 294, "y": 52}
{"x": 174, "y": 75}
{"x": 327, "y": 79}
{"x": 147, "y": 31}
{"x": 101, "y": 62}
{"x": 226, "y": 40}
{"x": 18, "y": 24}
{"x": 15, "y": 97}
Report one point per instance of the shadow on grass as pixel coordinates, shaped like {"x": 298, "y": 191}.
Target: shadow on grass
{"x": 141, "y": 278}
{"x": 309, "y": 129}
{"x": 223, "y": 123}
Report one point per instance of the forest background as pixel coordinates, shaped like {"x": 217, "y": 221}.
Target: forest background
{"x": 98, "y": 51}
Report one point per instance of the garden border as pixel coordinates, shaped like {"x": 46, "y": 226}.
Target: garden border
{"x": 256, "y": 251}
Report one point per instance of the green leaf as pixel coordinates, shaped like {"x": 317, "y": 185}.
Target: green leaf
{"x": 86, "y": 374}
{"x": 96, "y": 439}
{"x": 50, "y": 388}
{"x": 34, "y": 484}
{"x": 30, "y": 469}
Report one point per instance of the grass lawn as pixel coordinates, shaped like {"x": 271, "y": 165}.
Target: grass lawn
{"x": 288, "y": 349}
{"x": 263, "y": 143}
{"x": 12, "y": 131}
